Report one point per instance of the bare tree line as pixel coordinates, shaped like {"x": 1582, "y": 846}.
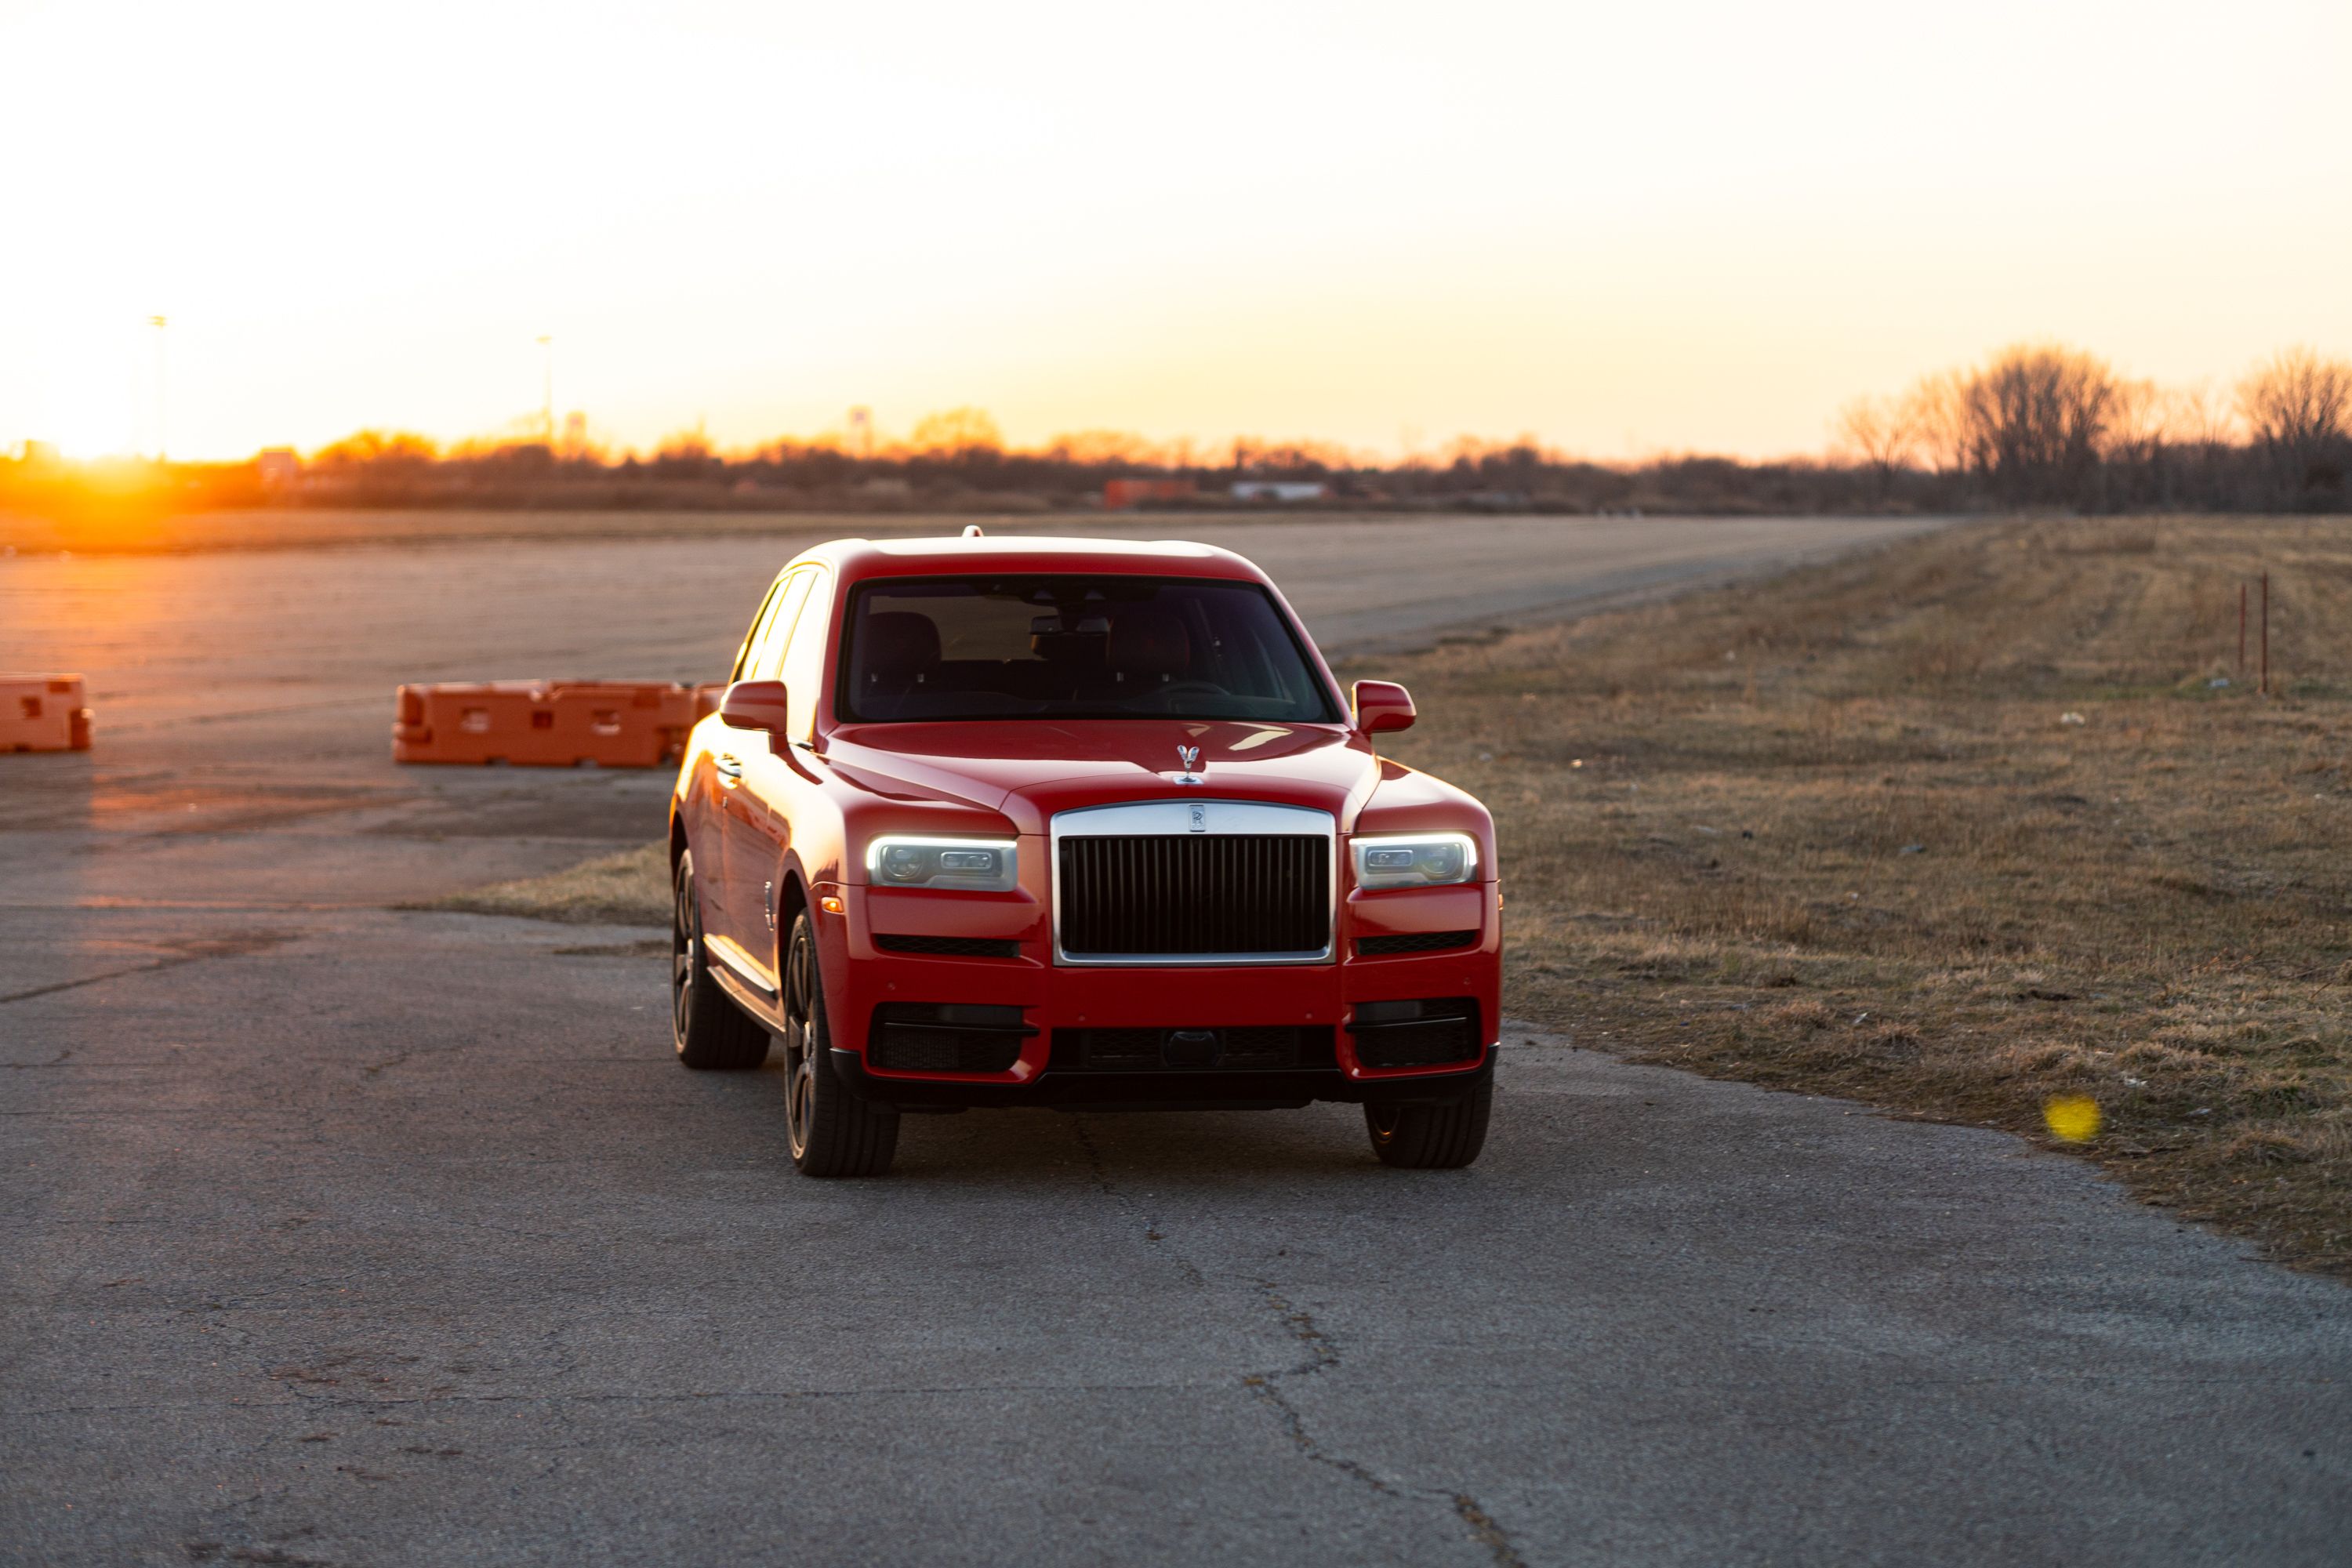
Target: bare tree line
{"x": 2045, "y": 424}
{"x": 2035, "y": 425}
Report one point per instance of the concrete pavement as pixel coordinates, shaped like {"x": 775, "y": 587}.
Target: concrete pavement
{"x": 338, "y": 1233}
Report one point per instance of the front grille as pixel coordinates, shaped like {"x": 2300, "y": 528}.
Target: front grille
{"x": 951, "y": 946}
{"x": 1253, "y": 1048}
{"x": 1415, "y": 942}
{"x": 1187, "y": 895}
{"x": 927, "y": 1038}
{"x": 1416, "y": 1034}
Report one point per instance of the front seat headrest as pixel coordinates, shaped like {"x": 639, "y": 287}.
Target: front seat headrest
{"x": 898, "y": 644}
{"x": 1148, "y": 641}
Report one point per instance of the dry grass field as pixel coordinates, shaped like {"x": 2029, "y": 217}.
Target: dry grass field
{"x": 1964, "y": 828}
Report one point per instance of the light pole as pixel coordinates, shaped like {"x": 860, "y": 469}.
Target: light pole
{"x": 547, "y": 390}
{"x": 162, "y": 407}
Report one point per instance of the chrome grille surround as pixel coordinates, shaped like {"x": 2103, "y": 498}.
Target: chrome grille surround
{"x": 1173, "y": 818}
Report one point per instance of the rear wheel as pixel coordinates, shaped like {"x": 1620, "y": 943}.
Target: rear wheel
{"x": 834, "y": 1132}
{"x": 1431, "y": 1137}
{"x": 708, "y": 1028}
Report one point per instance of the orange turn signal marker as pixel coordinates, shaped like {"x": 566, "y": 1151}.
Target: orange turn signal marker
{"x": 831, "y": 905}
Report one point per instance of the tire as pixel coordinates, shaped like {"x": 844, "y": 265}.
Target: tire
{"x": 709, "y": 1031}
{"x": 1431, "y": 1137}
{"x": 833, "y": 1132}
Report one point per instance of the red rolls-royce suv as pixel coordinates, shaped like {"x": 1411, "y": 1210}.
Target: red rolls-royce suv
{"x": 1073, "y": 822}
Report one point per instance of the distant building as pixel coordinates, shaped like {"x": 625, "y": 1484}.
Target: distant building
{"x": 1281, "y": 490}
{"x": 575, "y": 436}
{"x": 280, "y": 468}
{"x": 1118, "y": 495}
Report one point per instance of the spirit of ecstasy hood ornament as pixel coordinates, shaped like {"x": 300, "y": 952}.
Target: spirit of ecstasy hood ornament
{"x": 1190, "y": 756}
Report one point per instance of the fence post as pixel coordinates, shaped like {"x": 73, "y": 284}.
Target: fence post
{"x": 2241, "y": 631}
{"x": 2266, "y": 634}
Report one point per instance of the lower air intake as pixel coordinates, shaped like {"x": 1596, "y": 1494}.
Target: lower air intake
{"x": 909, "y": 1036}
{"x": 1416, "y": 1034}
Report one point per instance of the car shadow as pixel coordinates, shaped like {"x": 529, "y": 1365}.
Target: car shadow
{"x": 1061, "y": 1149}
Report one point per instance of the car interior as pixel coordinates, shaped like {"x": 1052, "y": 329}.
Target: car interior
{"x": 972, "y": 649}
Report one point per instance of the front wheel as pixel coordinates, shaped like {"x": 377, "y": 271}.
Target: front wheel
{"x": 1431, "y": 1137}
{"x": 834, "y": 1132}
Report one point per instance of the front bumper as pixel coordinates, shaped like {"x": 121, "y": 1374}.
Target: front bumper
{"x": 1186, "y": 1090}
{"x": 861, "y": 976}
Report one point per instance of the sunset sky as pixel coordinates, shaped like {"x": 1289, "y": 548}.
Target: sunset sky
{"x": 1624, "y": 228}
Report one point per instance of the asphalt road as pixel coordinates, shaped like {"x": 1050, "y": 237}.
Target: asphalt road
{"x": 340, "y": 1234}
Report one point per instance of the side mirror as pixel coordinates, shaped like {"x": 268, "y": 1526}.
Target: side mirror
{"x": 757, "y": 705}
{"x": 1383, "y": 705}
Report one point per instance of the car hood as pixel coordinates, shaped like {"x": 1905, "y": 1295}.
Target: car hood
{"x": 1028, "y": 770}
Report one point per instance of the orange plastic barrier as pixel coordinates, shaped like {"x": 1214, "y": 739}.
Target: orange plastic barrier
{"x": 547, "y": 723}
{"x": 1120, "y": 494}
{"x": 43, "y": 713}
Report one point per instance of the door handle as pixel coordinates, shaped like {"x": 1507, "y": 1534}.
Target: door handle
{"x": 731, "y": 770}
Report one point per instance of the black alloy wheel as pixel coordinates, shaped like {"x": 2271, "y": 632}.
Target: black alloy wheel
{"x": 833, "y": 1132}
{"x": 708, "y": 1030}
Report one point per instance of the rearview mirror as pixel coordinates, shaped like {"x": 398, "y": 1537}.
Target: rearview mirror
{"x": 1383, "y": 705}
{"x": 757, "y": 705}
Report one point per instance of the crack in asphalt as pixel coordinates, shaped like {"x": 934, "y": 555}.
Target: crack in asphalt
{"x": 1322, "y": 1355}
{"x": 147, "y": 968}
{"x": 1487, "y": 1532}
{"x": 193, "y": 952}
{"x": 299, "y": 1395}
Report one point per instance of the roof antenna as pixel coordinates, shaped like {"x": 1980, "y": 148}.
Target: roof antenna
{"x": 972, "y": 531}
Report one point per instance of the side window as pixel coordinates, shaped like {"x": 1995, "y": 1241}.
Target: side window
{"x": 767, "y": 658}
{"x": 804, "y": 660}
{"x": 759, "y": 626}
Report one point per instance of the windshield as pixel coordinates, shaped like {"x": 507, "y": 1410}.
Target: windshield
{"x": 1104, "y": 648}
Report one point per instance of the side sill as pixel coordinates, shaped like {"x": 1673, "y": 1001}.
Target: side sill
{"x": 746, "y": 969}
{"x": 760, "y": 1004}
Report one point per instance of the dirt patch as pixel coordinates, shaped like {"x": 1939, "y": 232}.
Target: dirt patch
{"x": 1978, "y": 826}
{"x": 630, "y": 888}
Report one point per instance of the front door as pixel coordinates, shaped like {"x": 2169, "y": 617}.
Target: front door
{"x": 776, "y": 773}
{"x": 735, "y": 913}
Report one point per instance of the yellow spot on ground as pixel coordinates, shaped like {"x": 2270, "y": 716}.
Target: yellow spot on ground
{"x": 2074, "y": 1118}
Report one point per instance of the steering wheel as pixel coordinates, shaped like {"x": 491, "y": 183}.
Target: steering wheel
{"x": 1192, "y": 689}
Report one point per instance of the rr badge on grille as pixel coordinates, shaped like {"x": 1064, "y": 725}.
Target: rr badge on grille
{"x": 1200, "y": 818}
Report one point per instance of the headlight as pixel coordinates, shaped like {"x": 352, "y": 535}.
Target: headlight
{"x": 968, "y": 865}
{"x": 1417, "y": 860}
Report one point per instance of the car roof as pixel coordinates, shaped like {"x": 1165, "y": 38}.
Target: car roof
{"x": 856, "y": 559}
